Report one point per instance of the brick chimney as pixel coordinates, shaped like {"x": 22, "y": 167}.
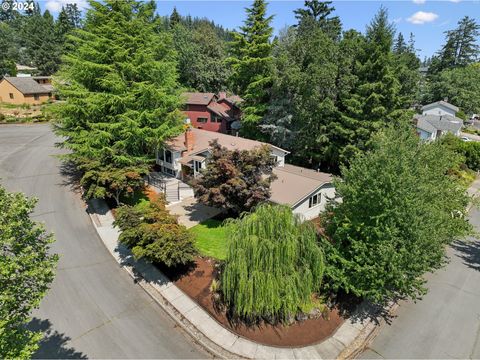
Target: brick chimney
{"x": 189, "y": 139}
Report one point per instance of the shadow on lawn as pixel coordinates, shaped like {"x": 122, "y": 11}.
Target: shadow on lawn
{"x": 53, "y": 344}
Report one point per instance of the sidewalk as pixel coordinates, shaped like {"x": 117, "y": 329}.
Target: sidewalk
{"x": 349, "y": 339}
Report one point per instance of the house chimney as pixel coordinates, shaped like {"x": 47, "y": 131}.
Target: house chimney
{"x": 222, "y": 95}
{"x": 189, "y": 139}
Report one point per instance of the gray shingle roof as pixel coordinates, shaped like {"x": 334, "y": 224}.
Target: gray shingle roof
{"x": 432, "y": 123}
{"x": 444, "y": 103}
{"x": 26, "y": 85}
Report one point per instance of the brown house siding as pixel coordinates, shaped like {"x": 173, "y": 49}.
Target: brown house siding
{"x": 18, "y": 98}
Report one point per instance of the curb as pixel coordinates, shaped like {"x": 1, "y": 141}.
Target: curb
{"x": 347, "y": 342}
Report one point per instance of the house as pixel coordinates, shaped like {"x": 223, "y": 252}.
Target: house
{"x": 213, "y": 112}
{"x": 437, "y": 119}
{"x": 304, "y": 190}
{"x": 25, "y": 70}
{"x": 31, "y": 90}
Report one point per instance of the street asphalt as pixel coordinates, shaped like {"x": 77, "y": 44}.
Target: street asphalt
{"x": 445, "y": 324}
{"x": 94, "y": 309}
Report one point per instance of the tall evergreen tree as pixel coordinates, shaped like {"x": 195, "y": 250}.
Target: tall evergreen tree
{"x": 461, "y": 47}
{"x": 120, "y": 84}
{"x": 8, "y": 51}
{"x": 252, "y": 65}
{"x": 407, "y": 64}
{"x": 175, "y": 17}
{"x": 318, "y": 12}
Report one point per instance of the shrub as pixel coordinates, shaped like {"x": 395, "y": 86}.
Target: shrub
{"x": 398, "y": 212}
{"x": 273, "y": 264}
{"x": 154, "y": 234}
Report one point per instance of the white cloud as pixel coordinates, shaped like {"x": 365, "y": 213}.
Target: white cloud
{"x": 56, "y": 5}
{"x": 419, "y": 1}
{"x": 422, "y": 17}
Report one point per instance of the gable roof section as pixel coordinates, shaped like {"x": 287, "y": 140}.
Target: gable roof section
{"x": 441, "y": 103}
{"x": 26, "y": 85}
{"x": 218, "y": 109}
{"x": 294, "y": 184}
{"x": 202, "y": 140}
{"x": 432, "y": 123}
{"x": 194, "y": 98}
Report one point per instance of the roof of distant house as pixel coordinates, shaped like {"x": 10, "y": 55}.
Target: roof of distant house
{"x": 26, "y": 85}
{"x": 432, "y": 123}
{"x": 218, "y": 109}
{"x": 441, "y": 102}
{"x": 294, "y": 184}
{"x": 202, "y": 139}
{"x": 198, "y": 98}
{"x": 24, "y": 67}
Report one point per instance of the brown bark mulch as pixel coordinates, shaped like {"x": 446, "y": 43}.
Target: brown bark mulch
{"x": 195, "y": 282}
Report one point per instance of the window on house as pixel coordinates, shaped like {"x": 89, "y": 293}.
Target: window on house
{"x": 198, "y": 166}
{"x": 202, "y": 120}
{"x": 167, "y": 156}
{"x": 216, "y": 119}
{"x": 11, "y": 95}
{"x": 314, "y": 200}
{"x": 36, "y": 96}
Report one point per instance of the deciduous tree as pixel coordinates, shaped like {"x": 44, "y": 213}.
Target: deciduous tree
{"x": 26, "y": 271}
{"x": 273, "y": 266}
{"x": 399, "y": 209}
{"x": 235, "y": 180}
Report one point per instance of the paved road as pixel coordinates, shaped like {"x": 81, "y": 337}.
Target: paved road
{"x": 446, "y": 323}
{"x": 93, "y": 309}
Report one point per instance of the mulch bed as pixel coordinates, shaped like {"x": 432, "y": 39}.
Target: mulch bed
{"x": 195, "y": 282}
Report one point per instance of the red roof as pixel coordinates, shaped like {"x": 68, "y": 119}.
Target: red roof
{"x": 195, "y": 98}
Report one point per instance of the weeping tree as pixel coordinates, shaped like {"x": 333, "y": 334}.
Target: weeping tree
{"x": 274, "y": 265}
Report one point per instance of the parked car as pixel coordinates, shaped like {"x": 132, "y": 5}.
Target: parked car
{"x": 464, "y": 138}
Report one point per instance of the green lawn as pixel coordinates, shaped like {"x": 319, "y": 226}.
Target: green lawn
{"x": 211, "y": 239}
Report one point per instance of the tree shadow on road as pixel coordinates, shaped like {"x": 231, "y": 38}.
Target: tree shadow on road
{"x": 54, "y": 344}
{"x": 469, "y": 251}
{"x": 71, "y": 176}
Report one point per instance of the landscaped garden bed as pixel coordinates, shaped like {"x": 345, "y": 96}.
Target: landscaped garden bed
{"x": 196, "y": 280}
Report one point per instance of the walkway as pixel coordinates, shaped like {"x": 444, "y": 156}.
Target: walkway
{"x": 191, "y": 213}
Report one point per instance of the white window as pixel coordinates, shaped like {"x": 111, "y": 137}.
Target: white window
{"x": 314, "y": 200}
{"x": 202, "y": 120}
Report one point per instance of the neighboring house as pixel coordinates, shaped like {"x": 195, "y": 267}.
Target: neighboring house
{"x": 213, "y": 112}
{"x": 437, "y": 119}
{"x": 31, "y": 90}
{"x": 24, "y": 70}
{"x": 304, "y": 190}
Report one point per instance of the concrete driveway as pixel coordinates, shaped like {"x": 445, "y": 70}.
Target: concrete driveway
{"x": 93, "y": 309}
{"x": 445, "y": 324}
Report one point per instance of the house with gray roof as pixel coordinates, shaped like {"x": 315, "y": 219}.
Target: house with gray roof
{"x": 437, "y": 119}
{"x": 31, "y": 90}
{"x": 306, "y": 191}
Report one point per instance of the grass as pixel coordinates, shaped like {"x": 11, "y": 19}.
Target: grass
{"x": 211, "y": 239}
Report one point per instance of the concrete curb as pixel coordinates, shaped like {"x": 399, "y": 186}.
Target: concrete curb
{"x": 349, "y": 340}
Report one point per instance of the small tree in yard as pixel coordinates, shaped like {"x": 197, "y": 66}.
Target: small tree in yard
{"x": 273, "y": 265}
{"x": 235, "y": 180}
{"x": 110, "y": 181}
{"x": 26, "y": 272}
{"x": 152, "y": 233}
{"x": 399, "y": 210}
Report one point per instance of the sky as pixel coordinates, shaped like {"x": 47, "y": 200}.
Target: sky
{"x": 426, "y": 19}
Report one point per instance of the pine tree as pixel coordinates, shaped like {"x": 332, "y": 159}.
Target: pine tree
{"x": 8, "y": 53}
{"x": 119, "y": 81}
{"x": 400, "y": 45}
{"x": 175, "y": 17}
{"x": 318, "y": 12}
{"x": 252, "y": 65}
{"x": 460, "y": 47}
